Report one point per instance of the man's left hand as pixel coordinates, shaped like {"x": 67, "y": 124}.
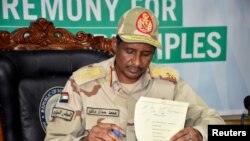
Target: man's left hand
{"x": 187, "y": 134}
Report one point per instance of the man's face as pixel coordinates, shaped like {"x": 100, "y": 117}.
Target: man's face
{"x": 132, "y": 60}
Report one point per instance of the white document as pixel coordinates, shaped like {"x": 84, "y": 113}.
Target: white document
{"x": 158, "y": 119}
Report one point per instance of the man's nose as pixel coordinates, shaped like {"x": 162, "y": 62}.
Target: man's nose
{"x": 136, "y": 60}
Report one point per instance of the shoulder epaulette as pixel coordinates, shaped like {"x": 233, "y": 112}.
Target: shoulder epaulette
{"x": 166, "y": 73}
{"x": 88, "y": 73}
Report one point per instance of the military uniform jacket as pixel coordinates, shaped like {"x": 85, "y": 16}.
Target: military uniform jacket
{"x": 94, "y": 93}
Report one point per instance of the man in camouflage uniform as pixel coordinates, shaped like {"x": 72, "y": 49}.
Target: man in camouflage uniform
{"x": 100, "y": 98}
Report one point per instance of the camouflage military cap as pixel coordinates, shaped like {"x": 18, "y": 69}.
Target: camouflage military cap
{"x": 139, "y": 25}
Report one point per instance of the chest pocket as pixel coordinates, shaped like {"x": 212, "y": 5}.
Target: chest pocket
{"x": 162, "y": 89}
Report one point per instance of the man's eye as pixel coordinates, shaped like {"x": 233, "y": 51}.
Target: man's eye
{"x": 129, "y": 51}
{"x": 146, "y": 53}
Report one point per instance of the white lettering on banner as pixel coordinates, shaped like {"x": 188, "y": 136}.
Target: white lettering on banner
{"x": 12, "y": 7}
{"x": 198, "y": 45}
{"x": 159, "y": 51}
{"x": 26, "y": 14}
{"x": 170, "y": 10}
{"x": 174, "y": 41}
{"x": 156, "y": 6}
{"x": 214, "y": 44}
{"x": 111, "y": 8}
{"x": 166, "y": 10}
{"x": 170, "y": 46}
{"x": 184, "y": 53}
{"x": 52, "y": 11}
{"x": 96, "y": 10}
{"x": 78, "y": 9}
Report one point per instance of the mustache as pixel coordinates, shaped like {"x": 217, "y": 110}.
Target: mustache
{"x": 133, "y": 67}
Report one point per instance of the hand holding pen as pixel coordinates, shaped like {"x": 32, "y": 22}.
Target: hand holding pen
{"x": 105, "y": 132}
{"x": 118, "y": 133}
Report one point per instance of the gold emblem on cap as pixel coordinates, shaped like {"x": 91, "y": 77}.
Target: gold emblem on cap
{"x": 144, "y": 23}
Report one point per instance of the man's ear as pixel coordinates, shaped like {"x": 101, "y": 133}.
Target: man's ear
{"x": 114, "y": 44}
{"x": 117, "y": 41}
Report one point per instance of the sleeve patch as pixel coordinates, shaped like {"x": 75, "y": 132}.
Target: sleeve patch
{"x": 64, "y": 97}
{"x": 62, "y": 113}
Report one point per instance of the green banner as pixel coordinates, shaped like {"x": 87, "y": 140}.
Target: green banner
{"x": 78, "y": 14}
{"x": 100, "y": 17}
{"x": 192, "y": 44}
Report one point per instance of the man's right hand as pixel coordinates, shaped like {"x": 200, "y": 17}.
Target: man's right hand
{"x": 103, "y": 132}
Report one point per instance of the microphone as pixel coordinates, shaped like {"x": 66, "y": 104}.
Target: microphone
{"x": 247, "y": 103}
{"x": 247, "y": 106}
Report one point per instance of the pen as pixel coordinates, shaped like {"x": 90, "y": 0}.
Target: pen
{"x": 118, "y": 133}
